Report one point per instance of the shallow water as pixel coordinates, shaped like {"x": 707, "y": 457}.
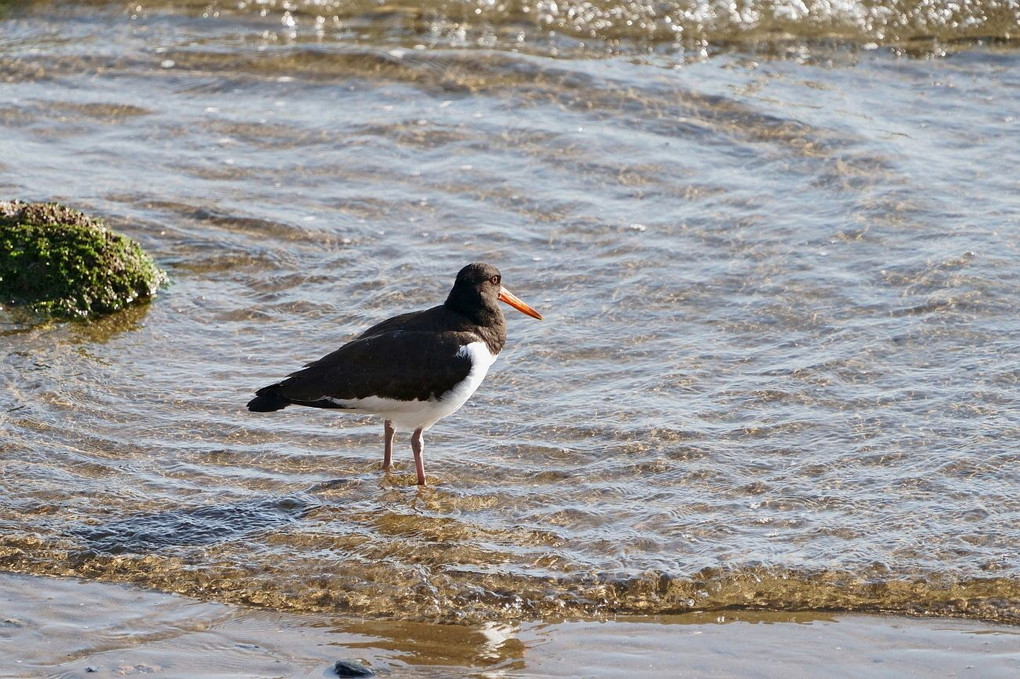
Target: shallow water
{"x": 777, "y": 368}
{"x": 59, "y": 627}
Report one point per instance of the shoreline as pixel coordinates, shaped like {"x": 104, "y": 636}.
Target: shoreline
{"x": 76, "y": 628}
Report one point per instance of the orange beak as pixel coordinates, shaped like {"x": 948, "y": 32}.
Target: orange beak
{"x": 517, "y": 303}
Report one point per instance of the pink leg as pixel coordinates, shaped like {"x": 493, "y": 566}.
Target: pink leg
{"x": 388, "y": 454}
{"x": 418, "y": 446}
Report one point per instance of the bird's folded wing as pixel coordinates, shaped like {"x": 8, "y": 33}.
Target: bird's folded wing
{"x": 399, "y": 365}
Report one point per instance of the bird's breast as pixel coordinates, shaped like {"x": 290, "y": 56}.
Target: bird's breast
{"x": 481, "y": 358}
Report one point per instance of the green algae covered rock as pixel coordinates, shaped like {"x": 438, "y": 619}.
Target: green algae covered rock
{"x": 61, "y": 262}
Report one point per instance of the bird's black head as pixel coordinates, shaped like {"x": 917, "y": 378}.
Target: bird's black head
{"x": 475, "y": 294}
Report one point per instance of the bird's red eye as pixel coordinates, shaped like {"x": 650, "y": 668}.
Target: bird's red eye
{"x": 494, "y": 280}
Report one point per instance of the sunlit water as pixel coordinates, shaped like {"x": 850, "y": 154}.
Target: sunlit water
{"x": 778, "y": 366}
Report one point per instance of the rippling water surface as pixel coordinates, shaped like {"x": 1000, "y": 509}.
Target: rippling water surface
{"x": 778, "y": 263}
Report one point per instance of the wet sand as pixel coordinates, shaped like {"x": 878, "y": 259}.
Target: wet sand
{"x": 69, "y": 628}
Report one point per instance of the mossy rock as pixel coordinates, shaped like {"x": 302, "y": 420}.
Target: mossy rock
{"x": 58, "y": 261}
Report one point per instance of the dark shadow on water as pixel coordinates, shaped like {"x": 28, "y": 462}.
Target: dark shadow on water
{"x": 93, "y": 330}
{"x": 190, "y": 526}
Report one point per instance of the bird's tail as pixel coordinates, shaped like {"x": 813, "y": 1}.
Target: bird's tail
{"x": 268, "y": 399}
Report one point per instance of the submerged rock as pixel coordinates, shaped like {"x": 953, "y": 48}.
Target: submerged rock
{"x": 58, "y": 261}
{"x": 350, "y": 668}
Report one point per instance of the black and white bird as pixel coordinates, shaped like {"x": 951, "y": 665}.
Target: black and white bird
{"x": 412, "y": 369}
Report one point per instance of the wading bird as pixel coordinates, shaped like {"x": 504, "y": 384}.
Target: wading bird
{"x": 412, "y": 369}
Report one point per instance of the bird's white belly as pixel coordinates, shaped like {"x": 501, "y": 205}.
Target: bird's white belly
{"x": 418, "y": 414}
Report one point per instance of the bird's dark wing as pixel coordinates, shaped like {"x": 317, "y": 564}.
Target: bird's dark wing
{"x": 391, "y": 324}
{"x": 399, "y": 365}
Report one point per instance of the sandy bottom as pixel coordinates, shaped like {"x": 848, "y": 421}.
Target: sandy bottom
{"x": 69, "y": 628}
